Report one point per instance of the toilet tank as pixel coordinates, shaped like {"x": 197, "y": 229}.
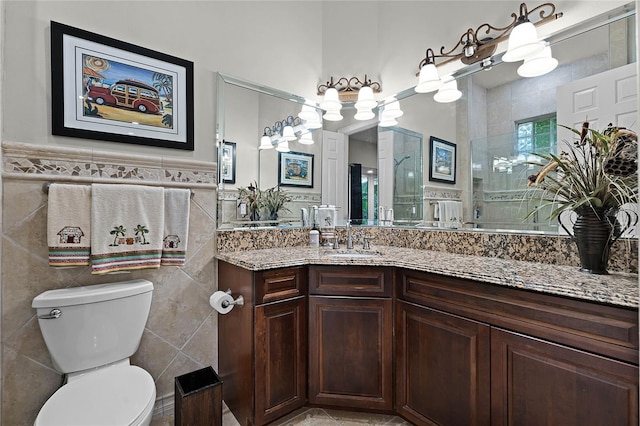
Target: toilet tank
{"x": 97, "y": 325}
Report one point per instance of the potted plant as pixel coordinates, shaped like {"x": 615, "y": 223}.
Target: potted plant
{"x": 594, "y": 178}
{"x": 274, "y": 201}
{"x": 251, "y": 197}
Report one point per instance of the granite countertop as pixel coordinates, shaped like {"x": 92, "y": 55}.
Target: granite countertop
{"x": 620, "y": 289}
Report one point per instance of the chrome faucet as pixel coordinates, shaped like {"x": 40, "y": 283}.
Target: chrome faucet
{"x": 349, "y": 236}
{"x": 365, "y": 243}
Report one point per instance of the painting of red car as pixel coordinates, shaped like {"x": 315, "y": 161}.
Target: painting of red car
{"x": 130, "y": 94}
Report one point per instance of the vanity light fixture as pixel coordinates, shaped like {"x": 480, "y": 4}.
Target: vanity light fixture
{"x": 281, "y": 134}
{"x": 481, "y": 44}
{"x": 348, "y": 90}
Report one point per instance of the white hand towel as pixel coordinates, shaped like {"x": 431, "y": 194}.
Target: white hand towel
{"x": 455, "y": 210}
{"x": 442, "y": 207}
{"x": 176, "y": 226}
{"x": 69, "y": 224}
{"x": 127, "y": 223}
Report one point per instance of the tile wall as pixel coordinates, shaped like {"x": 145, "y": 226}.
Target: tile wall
{"x": 181, "y": 332}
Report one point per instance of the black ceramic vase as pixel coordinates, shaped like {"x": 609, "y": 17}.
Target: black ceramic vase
{"x": 594, "y": 231}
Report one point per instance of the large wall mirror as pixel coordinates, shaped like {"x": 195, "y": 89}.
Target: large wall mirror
{"x": 245, "y": 112}
{"x": 484, "y": 126}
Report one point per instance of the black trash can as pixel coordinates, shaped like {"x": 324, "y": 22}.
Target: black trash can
{"x": 198, "y": 398}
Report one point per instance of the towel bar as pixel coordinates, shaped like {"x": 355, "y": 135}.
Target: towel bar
{"x": 448, "y": 199}
{"x": 47, "y": 185}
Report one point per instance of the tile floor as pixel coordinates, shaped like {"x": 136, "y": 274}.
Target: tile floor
{"x": 310, "y": 416}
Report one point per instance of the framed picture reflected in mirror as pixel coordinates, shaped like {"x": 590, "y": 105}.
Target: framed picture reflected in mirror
{"x": 295, "y": 169}
{"x": 442, "y": 160}
{"x": 228, "y": 162}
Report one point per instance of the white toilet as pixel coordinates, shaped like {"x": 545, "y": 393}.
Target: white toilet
{"x": 91, "y": 332}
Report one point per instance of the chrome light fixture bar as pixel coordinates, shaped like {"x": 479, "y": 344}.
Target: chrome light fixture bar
{"x": 281, "y": 133}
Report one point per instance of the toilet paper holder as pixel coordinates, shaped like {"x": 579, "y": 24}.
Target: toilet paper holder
{"x": 239, "y": 301}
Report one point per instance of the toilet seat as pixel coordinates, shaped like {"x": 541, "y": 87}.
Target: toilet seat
{"x": 120, "y": 395}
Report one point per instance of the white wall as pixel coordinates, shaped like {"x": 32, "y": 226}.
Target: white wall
{"x": 292, "y": 46}
{"x": 257, "y": 41}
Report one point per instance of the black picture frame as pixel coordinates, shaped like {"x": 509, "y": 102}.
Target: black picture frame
{"x": 295, "y": 169}
{"x": 228, "y": 162}
{"x": 442, "y": 160}
{"x": 107, "y": 89}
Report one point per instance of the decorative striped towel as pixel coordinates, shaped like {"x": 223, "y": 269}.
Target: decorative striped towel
{"x": 69, "y": 224}
{"x": 176, "y": 226}
{"x": 127, "y": 222}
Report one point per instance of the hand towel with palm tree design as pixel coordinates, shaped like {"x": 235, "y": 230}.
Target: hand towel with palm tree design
{"x": 127, "y": 225}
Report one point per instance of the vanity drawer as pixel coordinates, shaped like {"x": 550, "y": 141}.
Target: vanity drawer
{"x": 280, "y": 284}
{"x": 361, "y": 281}
{"x": 603, "y": 329}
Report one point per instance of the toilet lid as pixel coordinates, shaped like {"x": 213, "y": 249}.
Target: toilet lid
{"x": 113, "y": 396}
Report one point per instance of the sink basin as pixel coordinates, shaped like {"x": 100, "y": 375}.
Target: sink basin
{"x": 353, "y": 255}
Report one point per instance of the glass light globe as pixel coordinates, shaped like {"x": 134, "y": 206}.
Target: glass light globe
{"x": 523, "y": 42}
{"x": 306, "y": 139}
{"x": 364, "y": 114}
{"x": 265, "y": 142}
{"x": 283, "y": 146}
{"x": 331, "y": 102}
{"x": 448, "y": 92}
{"x": 539, "y": 64}
{"x": 392, "y": 109}
{"x": 332, "y": 116}
{"x": 365, "y": 98}
{"x": 308, "y": 112}
{"x": 428, "y": 81}
{"x": 315, "y": 122}
{"x": 288, "y": 134}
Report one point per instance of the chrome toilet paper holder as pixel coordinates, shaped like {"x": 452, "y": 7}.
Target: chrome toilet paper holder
{"x": 239, "y": 301}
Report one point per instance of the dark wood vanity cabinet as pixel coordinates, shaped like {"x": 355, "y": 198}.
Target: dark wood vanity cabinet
{"x": 263, "y": 344}
{"x": 536, "y": 382}
{"x": 473, "y": 353}
{"x": 442, "y": 367}
{"x": 351, "y": 337}
{"x": 437, "y": 350}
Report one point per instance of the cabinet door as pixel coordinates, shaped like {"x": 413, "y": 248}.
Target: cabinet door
{"x": 350, "y": 352}
{"x": 442, "y": 367}
{"x": 280, "y": 364}
{"x": 536, "y": 383}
